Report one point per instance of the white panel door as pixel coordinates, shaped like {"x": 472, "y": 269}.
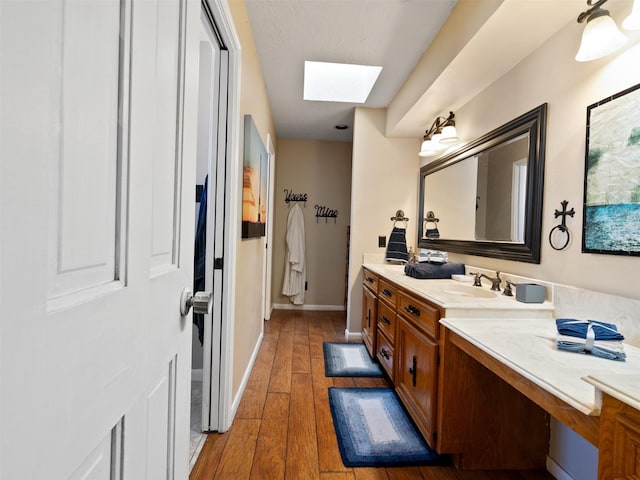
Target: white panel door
{"x": 97, "y": 173}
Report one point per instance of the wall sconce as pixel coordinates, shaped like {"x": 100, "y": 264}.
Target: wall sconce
{"x": 440, "y": 135}
{"x": 601, "y": 35}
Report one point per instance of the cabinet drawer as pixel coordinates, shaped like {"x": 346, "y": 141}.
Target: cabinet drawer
{"x": 370, "y": 280}
{"x": 369, "y": 320}
{"x": 385, "y": 353}
{"x": 388, "y": 293}
{"x": 423, "y": 315}
{"x": 387, "y": 320}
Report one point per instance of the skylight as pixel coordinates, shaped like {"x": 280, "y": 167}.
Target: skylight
{"x": 338, "y": 82}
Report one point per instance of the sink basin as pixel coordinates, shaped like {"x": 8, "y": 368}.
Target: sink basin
{"x": 469, "y": 291}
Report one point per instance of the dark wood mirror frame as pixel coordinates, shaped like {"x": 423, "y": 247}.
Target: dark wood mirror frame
{"x": 533, "y": 122}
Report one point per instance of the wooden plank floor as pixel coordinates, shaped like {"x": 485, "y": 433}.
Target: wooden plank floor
{"x": 283, "y": 428}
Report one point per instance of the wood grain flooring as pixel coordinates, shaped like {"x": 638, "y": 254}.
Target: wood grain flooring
{"x": 283, "y": 427}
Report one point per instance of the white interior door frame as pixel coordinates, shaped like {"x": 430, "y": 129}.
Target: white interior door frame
{"x": 268, "y": 305}
{"x": 212, "y": 130}
{"x": 224, "y": 23}
{"x": 518, "y": 199}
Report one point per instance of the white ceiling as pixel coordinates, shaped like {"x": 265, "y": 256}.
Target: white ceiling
{"x": 435, "y": 55}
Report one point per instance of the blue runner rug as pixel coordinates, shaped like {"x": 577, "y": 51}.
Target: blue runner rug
{"x": 374, "y": 430}
{"x": 349, "y": 360}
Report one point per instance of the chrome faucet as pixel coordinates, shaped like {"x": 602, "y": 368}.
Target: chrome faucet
{"x": 495, "y": 282}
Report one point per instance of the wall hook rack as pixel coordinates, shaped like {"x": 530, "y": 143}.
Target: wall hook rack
{"x": 289, "y": 196}
{"x": 562, "y": 227}
{"x": 325, "y": 212}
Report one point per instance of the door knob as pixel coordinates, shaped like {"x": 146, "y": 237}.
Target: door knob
{"x": 200, "y": 301}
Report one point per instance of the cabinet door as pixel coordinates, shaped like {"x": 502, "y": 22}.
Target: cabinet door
{"x": 619, "y": 441}
{"x": 416, "y": 376}
{"x": 369, "y": 315}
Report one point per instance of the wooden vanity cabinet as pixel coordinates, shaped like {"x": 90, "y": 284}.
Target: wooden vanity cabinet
{"x": 619, "y": 442}
{"x": 417, "y": 350}
{"x": 386, "y": 326}
{"x": 369, "y": 310}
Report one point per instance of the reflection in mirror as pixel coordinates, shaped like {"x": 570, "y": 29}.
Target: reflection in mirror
{"x": 500, "y": 191}
{"x": 486, "y": 198}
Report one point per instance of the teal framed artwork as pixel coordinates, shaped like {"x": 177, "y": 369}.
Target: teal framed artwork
{"x": 611, "y": 214}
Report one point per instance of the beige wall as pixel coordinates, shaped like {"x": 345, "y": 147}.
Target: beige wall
{"x": 322, "y": 170}
{"x": 385, "y": 179}
{"x": 552, "y": 75}
{"x": 250, "y": 253}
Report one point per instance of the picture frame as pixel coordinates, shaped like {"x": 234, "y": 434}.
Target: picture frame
{"x": 255, "y": 173}
{"x": 611, "y": 213}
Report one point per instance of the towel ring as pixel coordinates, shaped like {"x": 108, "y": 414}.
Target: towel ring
{"x": 562, "y": 227}
{"x": 399, "y": 217}
{"x": 431, "y": 217}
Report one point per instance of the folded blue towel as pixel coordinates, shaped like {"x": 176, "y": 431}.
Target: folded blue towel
{"x": 579, "y": 328}
{"x": 433, "y": 270}
{"x": 590, "y": 336}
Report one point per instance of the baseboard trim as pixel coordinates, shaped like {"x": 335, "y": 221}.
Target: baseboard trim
{"x": 352, "y": 335}
{"x": 245, "y": 378}
{"x": 290, "y": 306}
{"x": 557, "y": 471}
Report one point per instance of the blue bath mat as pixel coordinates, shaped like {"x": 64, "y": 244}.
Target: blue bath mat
{"x": 349, "y": 360}
{"x": 374, "y": 430}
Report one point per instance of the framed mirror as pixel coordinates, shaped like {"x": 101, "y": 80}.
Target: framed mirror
{"x": 485, "y": 198}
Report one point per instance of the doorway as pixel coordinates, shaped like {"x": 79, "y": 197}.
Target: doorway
{"x": 212, "y": 154}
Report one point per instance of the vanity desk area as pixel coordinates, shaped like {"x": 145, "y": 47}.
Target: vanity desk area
{"x": 480, "y": 374}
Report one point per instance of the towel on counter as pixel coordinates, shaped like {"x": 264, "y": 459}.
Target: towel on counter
{"x": 433, "y": 270}
{"x": 397, "y": 246}
{"x": 612, "y": 350}
{"x": 590, "y": 336}
{"x": 433, "y": 256}
{"x": 579, "y": 328}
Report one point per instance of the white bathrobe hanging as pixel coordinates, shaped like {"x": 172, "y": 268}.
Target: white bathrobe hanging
{"x": 294, "y": 268}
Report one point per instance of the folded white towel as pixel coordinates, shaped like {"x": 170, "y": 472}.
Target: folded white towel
{"x": 433, "y": 256}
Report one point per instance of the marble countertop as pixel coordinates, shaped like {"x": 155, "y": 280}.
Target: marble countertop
{"x": 440, "y": 293}
{"x": 528, "y": 347}
{"x": 624, "y": 387}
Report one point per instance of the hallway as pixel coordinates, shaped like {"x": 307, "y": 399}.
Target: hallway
{"x": 283, "y": 427}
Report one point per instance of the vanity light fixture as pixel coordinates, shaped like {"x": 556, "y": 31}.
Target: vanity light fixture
{"x": 601, "y": 36}
{"x": 440, "y": 135}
